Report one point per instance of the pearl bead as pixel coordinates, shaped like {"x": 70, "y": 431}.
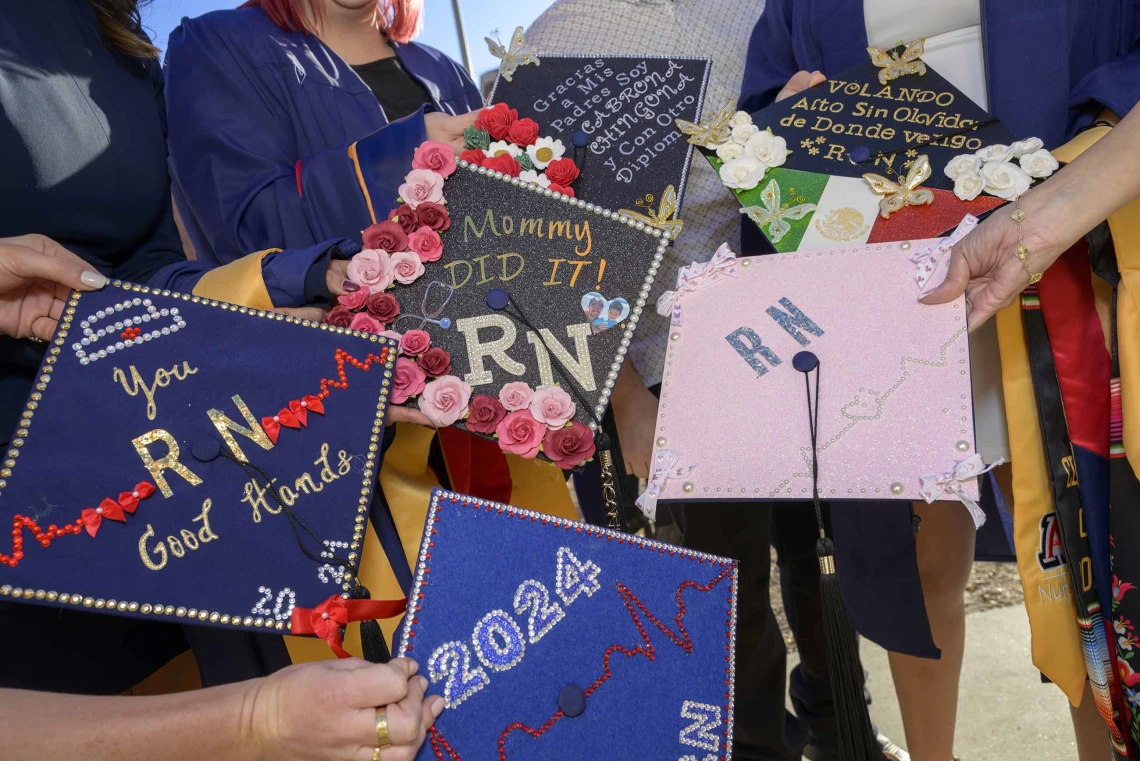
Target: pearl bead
{"x": 135, "y": 494}
{"x": 98, "y": 511}
{"x": 276, "y": 419}
{"x": 324, "y": 615}
{"x": 896, "y": 488}
{"x": 962, "y": 446}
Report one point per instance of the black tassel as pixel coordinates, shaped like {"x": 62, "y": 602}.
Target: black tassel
{"x": 613, "y": 481}
{"x": 856, "y": 738}
{"x": 372, "y": 641}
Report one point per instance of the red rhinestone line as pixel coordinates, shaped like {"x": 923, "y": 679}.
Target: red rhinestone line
{"x": 342, "y": 357}
{"x": 21, "y": 522}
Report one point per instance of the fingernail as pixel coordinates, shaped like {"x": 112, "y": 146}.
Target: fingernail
{"x": 437, "y": 707}
{"x": 422, "y": 682}
{"x": 413, "y": 667}
{"x": 349, "y": 286}
{"x": 93, "y": 279}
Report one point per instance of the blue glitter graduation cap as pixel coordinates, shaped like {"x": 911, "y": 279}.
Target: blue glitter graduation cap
{"x": 541, "y": 633}
{"x": 136, "y": 483}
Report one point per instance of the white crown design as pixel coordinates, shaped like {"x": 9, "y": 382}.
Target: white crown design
{"x": 132, "y": 321}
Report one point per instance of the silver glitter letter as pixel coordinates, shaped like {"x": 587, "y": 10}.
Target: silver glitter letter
{"x": 496, "y": 350}
{"x": 797, "y": 319}
{"x": 579, "y": 367}
{"x": 748, "y": 345}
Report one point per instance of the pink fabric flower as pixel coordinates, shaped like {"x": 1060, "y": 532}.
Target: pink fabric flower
{"x": 406, "y": 267}
{"x": 570, "y": 446}
{"x": 438, "y": 157}
{"x": 371, "y": 269}
{"x": 444, "y": 400}
{"x": 486, "y": 414}
{"x": 353, "y": 300}
{"x": 365, "y": 323}
{"x": 516, "y": 396}
{"x": 426, "y": 244}
{"x": 422, "y": 185}
{"x": 552, "y": 406}
{"x": 409, "y": 381}
{"x": 520, "y": 434}
{"x": 415, "y": 342}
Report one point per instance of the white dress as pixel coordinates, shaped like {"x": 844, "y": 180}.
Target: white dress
{"x": 953, "y": 32}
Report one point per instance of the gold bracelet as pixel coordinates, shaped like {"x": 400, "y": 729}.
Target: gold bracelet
{"x": 1018, "y": 216}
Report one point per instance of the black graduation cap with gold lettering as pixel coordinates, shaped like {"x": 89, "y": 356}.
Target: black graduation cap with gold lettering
{"x": 194, "y": 460}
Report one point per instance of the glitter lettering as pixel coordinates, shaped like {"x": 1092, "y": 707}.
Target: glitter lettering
{"x": 161, "y": 380}
{"x": 254, "y": 433}
{"x": 793, "y": 321}
{"x": 169, "y": 462}
{"x": 748, "y": 345}
{"x": 580, "y": 367}
{"x": 497, "y": 349}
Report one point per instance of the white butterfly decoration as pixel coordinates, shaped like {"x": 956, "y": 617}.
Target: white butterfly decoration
{"x": 772, "y": 216}
{"x": 517, "y": 55}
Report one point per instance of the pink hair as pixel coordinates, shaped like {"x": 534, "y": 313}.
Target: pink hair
{"x": 400, "y": 19}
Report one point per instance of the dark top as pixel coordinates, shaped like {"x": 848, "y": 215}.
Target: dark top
{"x": 399, "y": 95}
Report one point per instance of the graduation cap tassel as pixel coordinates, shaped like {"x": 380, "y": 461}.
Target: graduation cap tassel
{"x": 856, "y": 737}
{"x": 372, "y": 643}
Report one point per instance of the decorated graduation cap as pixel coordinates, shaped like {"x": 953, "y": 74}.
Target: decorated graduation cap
{"x": 886, "y": 151}
{"x": 613, "y": 114}
{"x": 538, "y": 646}
{"x": 514, "y": 302}
{"x": 196, "y": 461}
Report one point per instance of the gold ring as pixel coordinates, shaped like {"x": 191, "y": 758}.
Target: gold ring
{"x": 375, "y": 754}
{"x": 381, "y": 731}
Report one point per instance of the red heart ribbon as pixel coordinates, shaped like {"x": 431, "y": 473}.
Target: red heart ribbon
{"x": 272, "y": 425}
{"x": 129, "y": 500}
{"x": 93, "y": 518}
{"x": 326, "y": 619}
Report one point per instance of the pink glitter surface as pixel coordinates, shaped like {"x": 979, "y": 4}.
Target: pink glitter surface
{"x": 895, "y": 399}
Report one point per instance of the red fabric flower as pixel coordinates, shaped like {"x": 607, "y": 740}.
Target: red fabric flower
{"x": 503, "y": 163}
{"x": 339, "y": 316}
{"x": 129, "y": 500}
{"x": 570, "y": 446}
{"x": 433, "y": 215}
{"x": 473, "y": 156}
{"x": 497, "y": 120}
{"x": 435, "y": 362}
{"x": 559, "y": 189}
{"x": 523, "y": 132}
{"x": 486, "y": 414}
{"x": 387, "y": 236}
{"x": 382, "y": 306}
{"x": 562, "y": 172}
{"x": 405, "y": 216}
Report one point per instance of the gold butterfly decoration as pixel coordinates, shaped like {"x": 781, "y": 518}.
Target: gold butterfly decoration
{"x": 660, "y": 218}
{"x": 772, "y": 216}
{"x": 893, "y": 66}
{"x": 517, "y": 55}
{"x": 711, "y": 132}
{"x": 896, "y": 196}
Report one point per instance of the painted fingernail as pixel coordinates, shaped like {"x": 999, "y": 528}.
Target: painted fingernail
{"x": 349, "y": 286}
{"x": 93, "y": 279}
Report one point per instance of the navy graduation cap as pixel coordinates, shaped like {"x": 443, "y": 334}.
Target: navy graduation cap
{"x": 540, "y": 632}
{"x": 195, "y": 460}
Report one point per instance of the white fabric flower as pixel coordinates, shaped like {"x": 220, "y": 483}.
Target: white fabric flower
{"x": 729, "y": 151}
{"x": 529, "y": 175}
{"x": 1028, "y": 145}
{"x": 544, "y": 150}
{"x": 766, "y": 148}
{"x": 499, "y": 147}
{"x": 741, "y": 132}
{"x": 969, "y": 186}
{"x": 741, "y": 117}
{"x": 1040, "y": 163}
{"x": 996, "y": 152}
{"x": 964, "y": 165}
{"x": 744, "y": 173}
{"x": 1005, "y": 180}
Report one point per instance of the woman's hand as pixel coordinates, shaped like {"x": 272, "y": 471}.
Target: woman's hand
{"x": 36, "y": 274}
{"x": 326, "y": 711}
{"x": 799, "y": 82}
{"x": 400, "y": 414}
{"x": 444, "y": 128}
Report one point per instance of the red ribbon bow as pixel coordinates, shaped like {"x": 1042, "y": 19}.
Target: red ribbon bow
{"x": 272, "y": 425}
{"x": 326, "y": 619}
{"x": 108, "y": 508}
{"x": 129, "y": 500}
{"x": 302, "y": 408}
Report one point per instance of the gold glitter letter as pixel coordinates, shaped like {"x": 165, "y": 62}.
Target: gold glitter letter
{"x": 169, "y": 462}
{"x": 205, "y": 534}
{"x": 580, "y": 367}
{"x": 496, "y": 350}
{"x": 254, "y": 433}
{"x": 159, "y": 550}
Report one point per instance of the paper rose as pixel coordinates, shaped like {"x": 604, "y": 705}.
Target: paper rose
{"x": 405, "y": 217}
{"x": 516, "y": 396}
{"x": 1040, "y": 163}
{"x": 365, "y": 323}
{"x": 969, "y": 186}
{"x": 519, "y": 433}
{"x": 354, "y": 299}
{"x": 500, "y": 147}
{"x": 1028, "y": 145}
{"x": 559, "y": 189}
{"x": 438, "y": 157}
{"x": 385, "y": 236}
{"x": 544, "y": 151}
{"x": 729, "y": 151}
{"x": 769, "y": 150}
{"x": 444, "y": 400}
{"x": 432, "y": 215}
{"x": 422, "y": 185}
{"x": 570, "y": 446}
{"x": 409, "y": 381}
{"x": 425, "y": 244}
{"x": 371, "y": 269}
{"x": 1005, "y": 180}
{"x": 435, "y": 362}
{"x": 562, "y": 171}
{"x": 473, "y": 156}
{"x": 741, "y": 133}
{"x": 530, "y": 175}
{"x": 523, "y": 132}
{"x": 415, "y": 342}
{"x": 744, "y": 173}
{"x": 552, "y": 406}
{"x": 339, "y": 317}
{"x": 382, "y": 306}
{"x": 486, "y": 414}
{"x": 996, "y": 152}
{"x": 964, "y": 165}
{"x": 497, "y": 120}
{"x": 407, "y": 267}
{"x": 741, "y": 118}
{"x": 503, "y": 163}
